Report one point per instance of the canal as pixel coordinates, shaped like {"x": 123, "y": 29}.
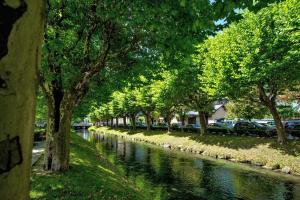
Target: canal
{"x": 164, "y": 174}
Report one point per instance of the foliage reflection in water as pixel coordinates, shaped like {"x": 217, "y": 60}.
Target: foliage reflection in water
{"x": 162, "y": 174}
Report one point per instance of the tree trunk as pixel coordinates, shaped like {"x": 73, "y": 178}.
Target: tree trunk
{"x": 182, "y": 121}
{"x": 203, "y": 128}
{"x": 282, "y": 138}
{"x": 133, "y": 124}
{"x": 124, "y": 121}
{"x": 169, "y": 122}
{"x": 117, "y": 121}
{"x": 270, "y": 102}
{"x": 21, "y": 31}
{"x": 56, "y": 157}
{"x": 206, "y": 118}
{"x": 107, "y": 122}
{"x": 112, "y": 122}
{"x": 148, "y": 121}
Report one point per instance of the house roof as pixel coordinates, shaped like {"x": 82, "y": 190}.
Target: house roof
{"x": 195, "y": 113}
{"x": 192, "y": 113}
{"x": 218, "y": 106}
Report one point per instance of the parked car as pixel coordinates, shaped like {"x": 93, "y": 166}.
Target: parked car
{"x": 272, "y": 123}
{"x": 176, "y": 126}
{"x": 293, "y": 127}
{"x": 192, "y": 128}
{"x": 229, "y": 123}
{"x": 253, "y": 128}
{"x": 39, "y": 134}
{"x": 159, "y": 126}
{"x": 266, "y": 122}
{"x": 291, "y": 123}
{"x": 141, "y": 125}
{"x": 218, "y": 128}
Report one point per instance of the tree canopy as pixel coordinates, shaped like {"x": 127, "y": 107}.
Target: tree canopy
{"x": 260, "y": 51}
{"x": 137, "y": 52}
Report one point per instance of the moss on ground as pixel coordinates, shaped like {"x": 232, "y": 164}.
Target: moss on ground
{"x": 265, "y": 152}
{"x": 90, "y": 177}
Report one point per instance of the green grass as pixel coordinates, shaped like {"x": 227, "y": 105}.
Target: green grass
{"x": 90, "y": 177}
{"x": 92, "y": 128}
{"x": 39, "y": 130}
{"x": 265, "y": 152}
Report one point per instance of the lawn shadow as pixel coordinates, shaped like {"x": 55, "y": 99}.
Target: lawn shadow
{"x": 248, "y": 142}
{"x": 90, "y": 176}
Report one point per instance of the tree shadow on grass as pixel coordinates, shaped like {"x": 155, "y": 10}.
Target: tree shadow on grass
{"x": 291, "y": 148}
{"x": 248, "y": 142}
{"x": 90, "y": 177}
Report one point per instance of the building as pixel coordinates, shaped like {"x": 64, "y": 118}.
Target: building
{"x": 219, "y": 112}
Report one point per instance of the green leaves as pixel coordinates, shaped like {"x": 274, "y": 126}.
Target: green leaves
{"x": 164, "y": 74}
{"x": 256, "y": 50}
{"x": 245, "y": 108}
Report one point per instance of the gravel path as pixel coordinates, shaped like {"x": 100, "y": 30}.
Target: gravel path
{"x": 37, "y": 151}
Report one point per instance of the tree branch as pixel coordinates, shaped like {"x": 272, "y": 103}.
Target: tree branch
{"x": 79, "y": 88}
{"x": 44, "y": 86}
{"x": 262, "y": 94}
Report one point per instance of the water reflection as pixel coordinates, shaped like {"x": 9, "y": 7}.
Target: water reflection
{"x": 167, "y": 175}
{"x": 85, "y": 134}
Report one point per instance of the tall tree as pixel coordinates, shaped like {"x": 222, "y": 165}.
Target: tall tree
{"x": 117, "y": 105}
{"x": 82, "y": 40}
{"x": 260, "y": 51}
{"x": 190, "y": 88}
{"x": 147, "y": 100}
{"x": 21, "y": 31}
{"x": 131, "y": 105}
{"x": 167, "y": 97}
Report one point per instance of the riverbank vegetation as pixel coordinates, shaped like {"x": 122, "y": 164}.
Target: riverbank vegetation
{"x": 89, "y": 58}
{"x": 252, "y": 61}
{"x": 97, "y": 43}
{"x": 111, "y": 70}
{"x": 90, "y": 177}
{"x": 264, "y": 152}
{"x": 111, "y": 59}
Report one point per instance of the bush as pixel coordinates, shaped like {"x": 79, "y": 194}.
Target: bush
{"x": 92, "y": 128}
{"x": 39, "y": 134}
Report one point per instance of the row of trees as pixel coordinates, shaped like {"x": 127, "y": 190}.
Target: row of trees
{"x": 250, "y": 62}
{"x": 258, "y": 55}
{"x": 153, "y": 98}
{"x": 84, "y": 42}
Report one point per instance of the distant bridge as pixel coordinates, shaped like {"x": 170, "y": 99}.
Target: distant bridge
{"x": 82, "y": 125}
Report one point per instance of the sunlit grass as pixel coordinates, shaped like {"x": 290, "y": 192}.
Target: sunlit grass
{"x": 90, "y": 177}
{"x": 264, "y": 152}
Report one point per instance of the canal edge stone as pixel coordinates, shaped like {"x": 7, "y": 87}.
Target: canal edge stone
{"x": 275, "y": 168}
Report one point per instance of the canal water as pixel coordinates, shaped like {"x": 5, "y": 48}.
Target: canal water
{"x": 164, "y": 174}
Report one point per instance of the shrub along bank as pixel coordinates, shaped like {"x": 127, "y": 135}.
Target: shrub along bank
{"x": 264, "y": 152}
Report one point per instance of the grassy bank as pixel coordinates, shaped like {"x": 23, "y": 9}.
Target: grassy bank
{"x": 264, "y": 152}
{"x": 90, "y": 177}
